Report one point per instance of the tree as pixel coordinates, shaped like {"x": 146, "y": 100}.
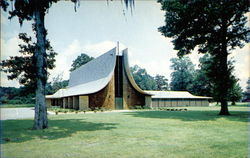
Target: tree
{"x": 56, "y": 84}
{"x": 80, "y": 60}
{"x": 35, "y": 10}
{"x": 201, "y": 84}
{"x": 12, "y": 95}
{"x": 161, "y": 83}
{"x": 23, "y": 67}
{"x": 215, "y": 27}
{"x": 247, "y": 92}
{"x": 182, "y": 75}
{"x": 235, "y": 92}
{"x": 142, "y": 78}
{"x": 205, "y": 80}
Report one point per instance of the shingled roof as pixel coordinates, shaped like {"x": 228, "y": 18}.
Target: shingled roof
{"x": 175, "y": 95}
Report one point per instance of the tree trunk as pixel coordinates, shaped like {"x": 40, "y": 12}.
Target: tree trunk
{"x": 223, "y": 86}
{"x": 224, "y": 73}
{"x": 224, "y": 108}
{"x": 41, "y": 120}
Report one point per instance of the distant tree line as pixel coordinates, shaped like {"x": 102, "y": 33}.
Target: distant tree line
{"x": 183, "y": 78}
{"x": 12, "y": 95}
{"x": 26, "y": 95}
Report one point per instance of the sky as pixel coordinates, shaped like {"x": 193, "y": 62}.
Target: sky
{"x": 97, "y": 26}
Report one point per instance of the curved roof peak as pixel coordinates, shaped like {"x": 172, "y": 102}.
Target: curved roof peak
{"x": 96, "y": 74}
{"x": 129, "y": 74}
{"x": 96, "y": 69}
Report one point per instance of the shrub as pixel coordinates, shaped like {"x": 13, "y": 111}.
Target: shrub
{"x": 14, "y": 102}
{"x": 146, "y": 107}
{"x": 3, "y": 100}
{"x": 138, "y": 107}
{"x": 102, "y": 109}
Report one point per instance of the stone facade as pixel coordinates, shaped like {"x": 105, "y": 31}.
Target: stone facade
{"x": 105, "y": 98}
{"x": 130, "y": 96}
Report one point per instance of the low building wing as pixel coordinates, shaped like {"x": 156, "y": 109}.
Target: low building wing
{"x": 175, "y": 95}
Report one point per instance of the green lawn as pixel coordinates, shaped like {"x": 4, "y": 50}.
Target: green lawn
{"x": 17, "y": 105}
{"x": 198, "y": 132}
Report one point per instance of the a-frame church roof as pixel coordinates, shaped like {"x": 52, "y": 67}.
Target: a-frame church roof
{"x": 90, "y": 77}
{"x": 95, "y": 75}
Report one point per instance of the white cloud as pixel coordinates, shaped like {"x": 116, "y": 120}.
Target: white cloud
{"x": 9, "y": 47}
{"x": 100, "y": 48}
{"x": 4, "y": 82}
{"x": 242, "y": 64}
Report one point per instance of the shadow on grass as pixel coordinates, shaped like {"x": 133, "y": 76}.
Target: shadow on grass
{"x": 240, "y": 116}
{"x": 16, "y": 131}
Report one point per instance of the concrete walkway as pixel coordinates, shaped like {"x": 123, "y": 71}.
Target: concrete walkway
{"x": 23, "y": 113}
{"x": 16, "y": 113}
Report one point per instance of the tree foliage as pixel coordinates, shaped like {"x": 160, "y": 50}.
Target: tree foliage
{"x": 246, "y": 93}
{"x": 182, "y": 75}
{"x": 80, "y": 60}
{"x": 23, "y": 67}
{"x": 56, "y": 84}
{"x": 202, "y": 85}
{"x": 235, "y": 92}
{"x": 12, "y": 95}
{"x": 161, "y": 82}
{"x": 142, "y": 78}
{"x": 204, "y": 82}
{"x": 215, "y": 27}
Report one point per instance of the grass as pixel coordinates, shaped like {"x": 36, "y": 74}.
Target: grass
{"x": 230, "y": 104}
{"x": 17, "y": 105}
{"x": 198, "y": 132}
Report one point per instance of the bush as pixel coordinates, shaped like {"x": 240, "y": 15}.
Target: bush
{"x": 138, "y": 107}
{"x": 14, "y": 102}
{"x": 146, "y": 107}
{"x": 3, "y": 100}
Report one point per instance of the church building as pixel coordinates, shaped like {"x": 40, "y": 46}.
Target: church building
{"x": 106, "y": 82}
